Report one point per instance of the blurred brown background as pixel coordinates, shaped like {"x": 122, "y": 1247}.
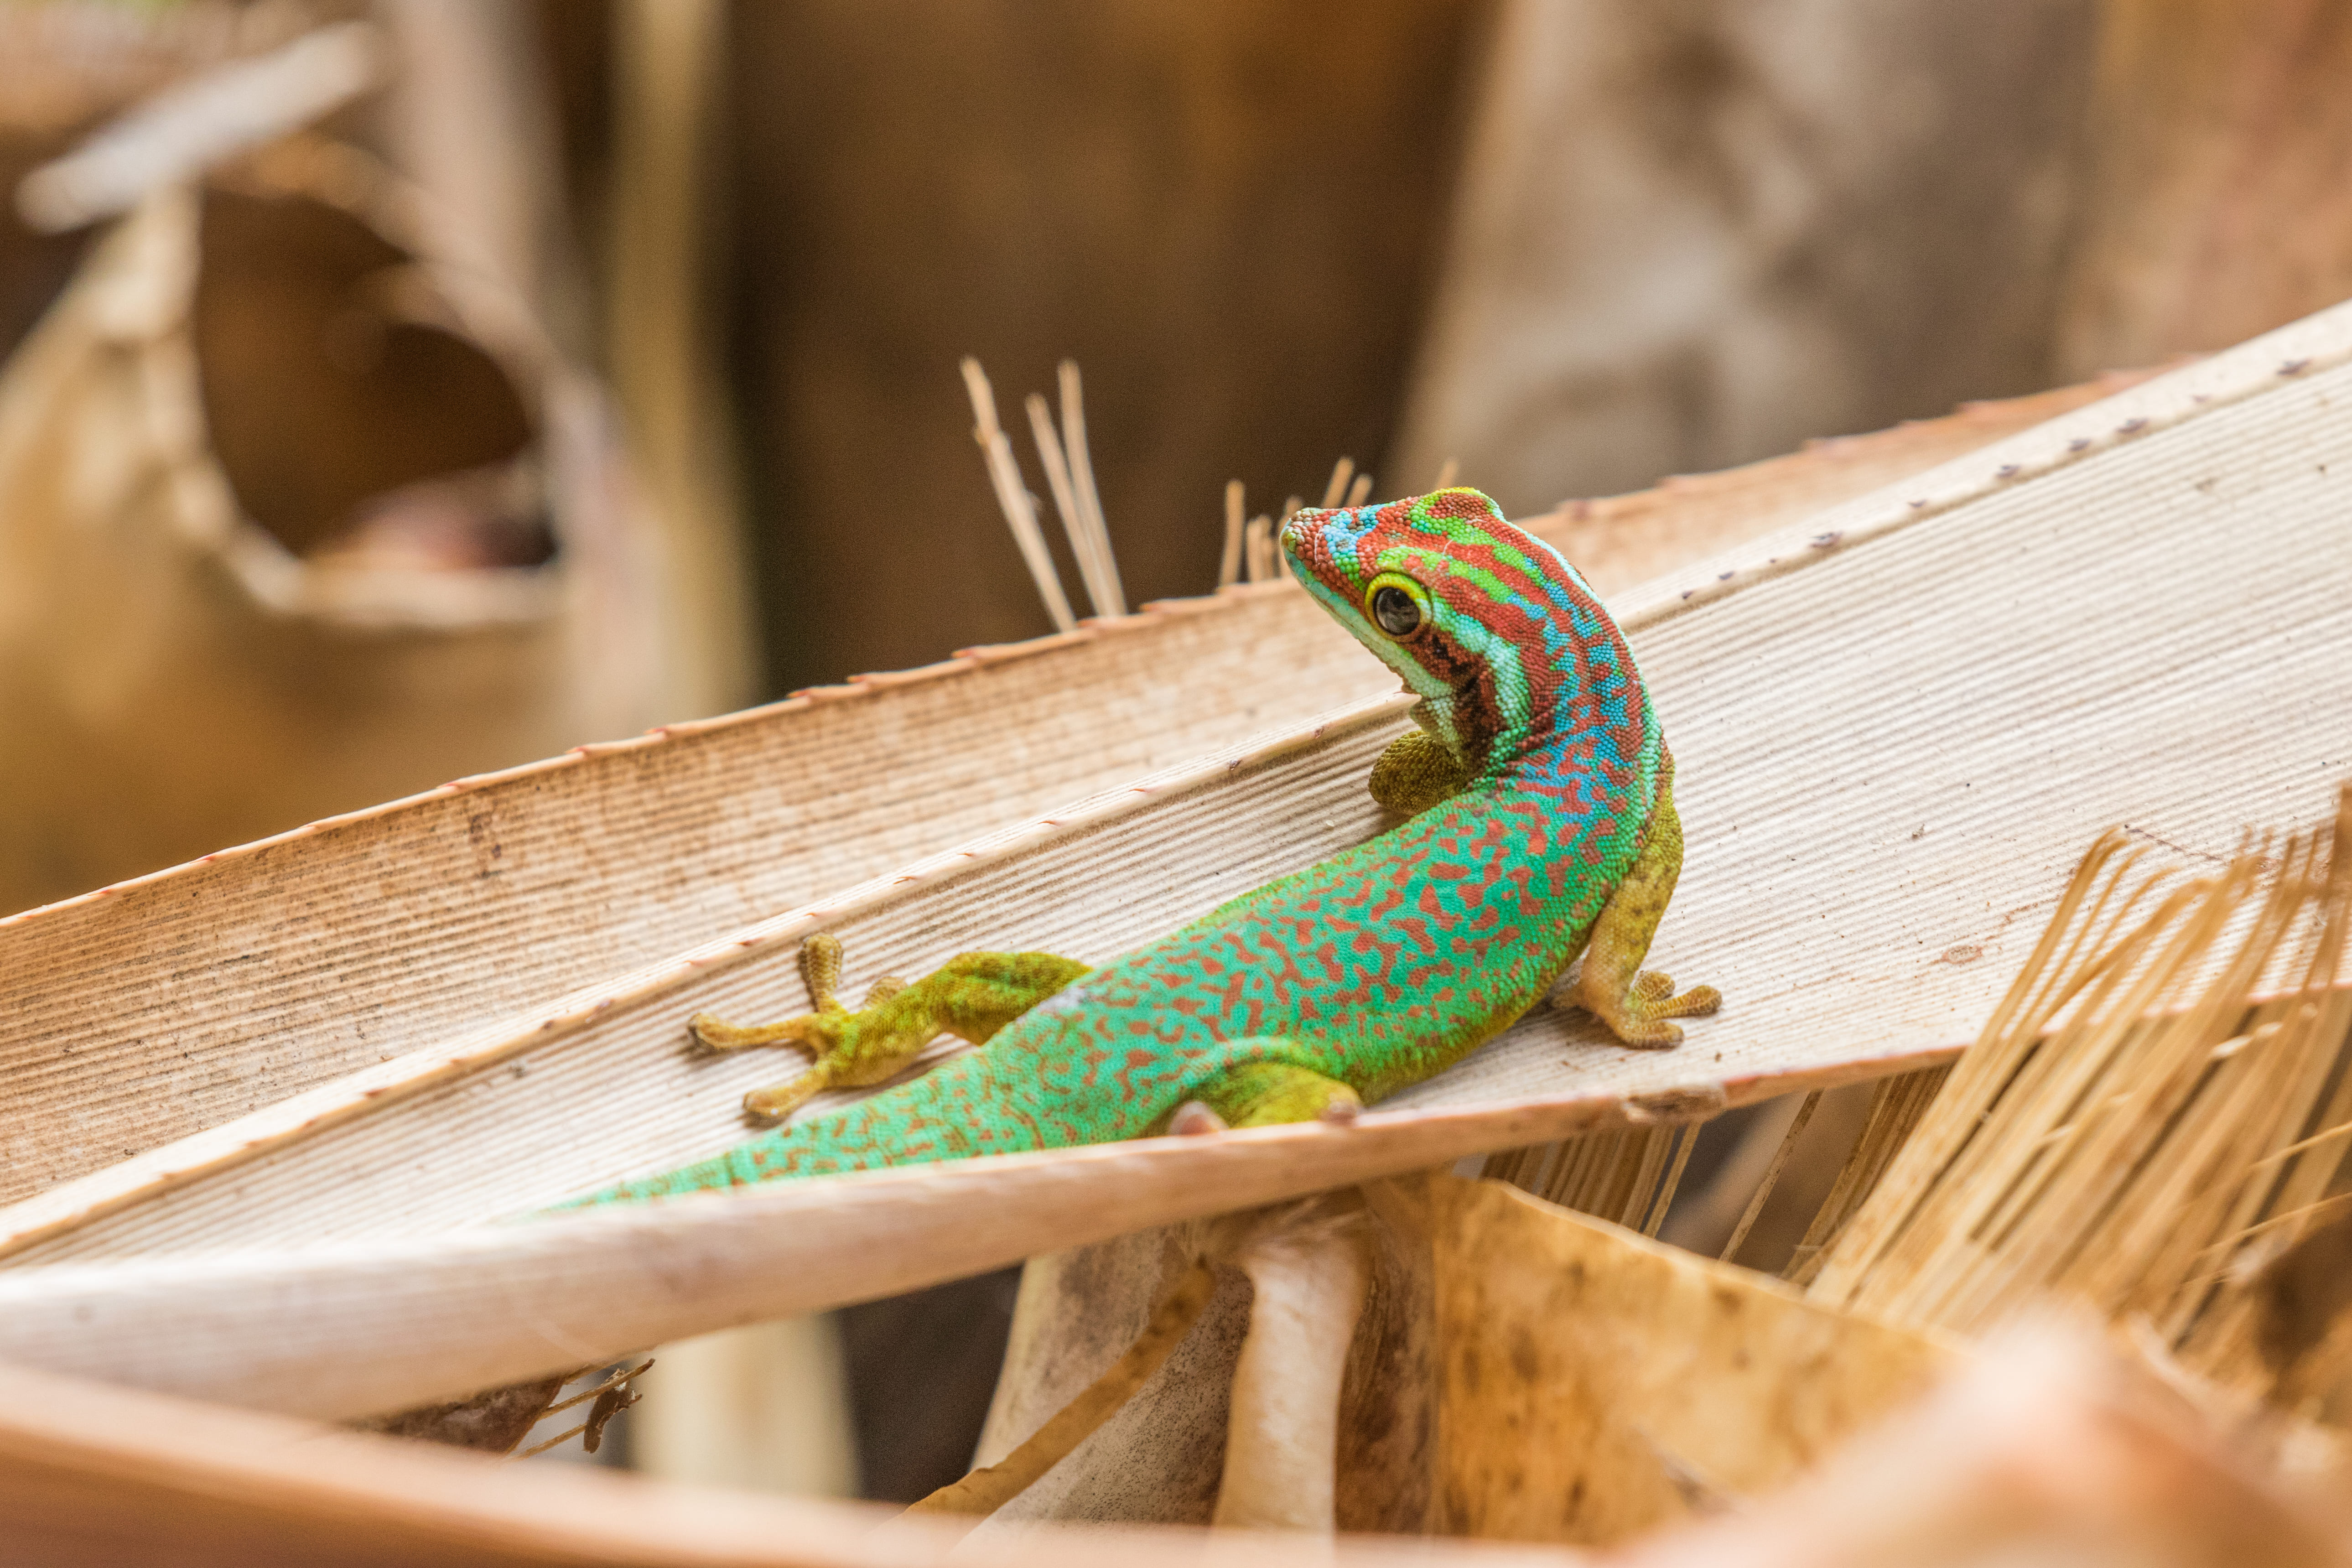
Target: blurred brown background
{"x": 1574, "y": 244}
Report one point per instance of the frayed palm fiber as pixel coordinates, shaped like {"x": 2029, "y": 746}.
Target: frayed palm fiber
{"x": 2158, "y": 1107}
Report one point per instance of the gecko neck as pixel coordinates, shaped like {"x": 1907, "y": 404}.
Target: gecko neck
{"x": 1599, "y": 763}
{"x": 1578, "y": 716}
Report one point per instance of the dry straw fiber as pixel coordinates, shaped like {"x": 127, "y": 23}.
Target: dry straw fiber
{"x": 2159, "y": 1106}
{"x": 1895, "y": 726}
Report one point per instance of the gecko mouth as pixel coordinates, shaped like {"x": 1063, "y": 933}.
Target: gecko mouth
{"x": 1441, "y": 717}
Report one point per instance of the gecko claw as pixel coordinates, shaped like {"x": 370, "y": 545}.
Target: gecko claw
{"x": 710, "y": 1031}
{"x": 1195, "y": 1118}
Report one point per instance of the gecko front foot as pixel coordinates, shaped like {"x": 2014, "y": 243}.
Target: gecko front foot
{"x": 1636, "y": 1003}
{"x": 1415, "y": 773}
{"x": 1639, "y": 1017}
{"x": 1655, "y": 990}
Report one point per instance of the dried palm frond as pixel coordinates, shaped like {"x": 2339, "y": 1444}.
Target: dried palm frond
{"x": 1860, "y": 710}
{"x": 749, "y": 813}
{"x": 2161, "y": 1101}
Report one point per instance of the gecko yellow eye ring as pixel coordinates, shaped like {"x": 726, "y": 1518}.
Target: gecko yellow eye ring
{"x": 1396, "y": 604}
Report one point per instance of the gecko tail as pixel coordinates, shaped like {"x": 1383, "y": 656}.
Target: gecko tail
{"x": 777, "y": 1156}
{"x": 926, "y": 1119}
{"x": 715, "y": 1175}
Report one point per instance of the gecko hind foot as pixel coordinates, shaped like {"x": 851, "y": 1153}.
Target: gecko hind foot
{"x": 971, "y": 997}
{"x": 1644, "y": 1035}
{"x": 1272, "y": 1093}
{"x": 717, "y": 1034}
{"x": 822, "y": 1032}
{"x": 821, "y": 969}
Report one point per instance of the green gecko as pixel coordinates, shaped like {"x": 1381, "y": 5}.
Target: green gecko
{"x": 1539, "y": 826}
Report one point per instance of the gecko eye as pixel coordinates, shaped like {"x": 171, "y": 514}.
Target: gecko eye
{"x": 1393, "y": 608}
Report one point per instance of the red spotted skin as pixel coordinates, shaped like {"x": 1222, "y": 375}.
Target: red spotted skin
{"x": 1379, "y": 966}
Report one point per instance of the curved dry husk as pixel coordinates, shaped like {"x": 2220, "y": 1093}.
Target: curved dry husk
{"x": 186, "y": 659}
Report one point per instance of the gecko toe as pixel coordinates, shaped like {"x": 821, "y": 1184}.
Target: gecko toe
{"x": 1646, "y": 1033}
{"x": 1696, "y": 1002}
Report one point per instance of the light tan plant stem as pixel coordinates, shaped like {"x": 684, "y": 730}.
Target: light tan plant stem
{"x": 1112, "y": 600}
{"x": 1747, "y": 1216}
{"x": 186, "y": 129}
{"x": 662, "y": 340}
{"x": 1341, "y": 472}
{"x": 1309, "y": 1281}
{"x": 1229, "y": 565}
{"x": 1066, "y": 503}
{"x": 1686, "y": 1138}
{"x": 1259, "y": 542}
{"x": 1012, "y": 497}
{"x": 1897, "y": 1107}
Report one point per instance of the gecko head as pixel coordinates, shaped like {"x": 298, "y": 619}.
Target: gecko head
{"x": 1487, "y": 624}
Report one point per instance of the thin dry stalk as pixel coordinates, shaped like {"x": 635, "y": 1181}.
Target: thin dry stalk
{"x": 1645, "y": 1175}
{"x": 1259, "y": 541}
{"x": 1112, "y": 599}
{"x": 1747, "y": 1216}
{"x": 1341, "y": 472}
{"x": 1310, "y": 1266}
{"x": 616, "y": 1393}
{"x": 1066, "y": 500}
{"x": 1582, "y": 1174}
{"x": 1447, "y": 472}
{"x": 1625, "y": 1175}
{"x": 189, "y": 128}
{"x": 1012, "y": 497}
{"x": 990, "y": 1488}
{"x": 1686, "y": 1140}
{"x": 1229, "y": 563}
{"x": 1361, "y": 492}
{"x": 2305, "y": 1183}
{"x": 1896, "y": 1106}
